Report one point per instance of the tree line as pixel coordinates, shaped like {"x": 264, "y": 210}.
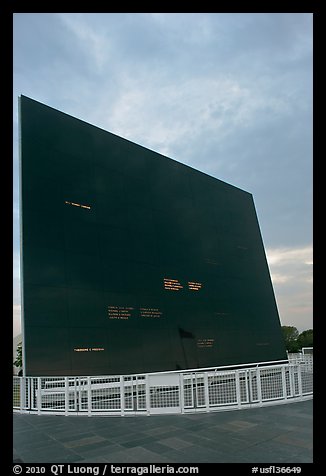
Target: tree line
{"x": 294, "y": 341}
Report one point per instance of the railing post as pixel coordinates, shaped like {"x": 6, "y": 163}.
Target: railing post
{"x": 248, "y": 386}
{"x": 299, "y": 380}
{"x": 122, "y": 395}
{"x": 147, "y": 395}
{"x": 89, "y": 396}
{"x": 291, "y": 381}
{"x": 206, "y": 391}
{"x": 182, "y": 395}
{"x": 66, "y": 395}
{"x": 39, "y": 396}
{"x": 28, "y": 381}
{"x": 285, "y": 394}
{"x": 75, "y": 394}
{"x": 25, "y": 381}
{"x": 237, "y": 387}
{"x": 22, "y": 392}
{"x": 259, "y": 392}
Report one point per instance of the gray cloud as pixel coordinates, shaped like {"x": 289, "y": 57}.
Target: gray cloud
{"x": 291, "y": 272}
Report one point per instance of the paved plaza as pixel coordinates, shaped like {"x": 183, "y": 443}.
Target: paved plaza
{"x": 272, "y": 434}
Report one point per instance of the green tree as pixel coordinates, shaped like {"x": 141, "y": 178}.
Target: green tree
{"x": 305, "y": 339}
{"x": 19, "y": 358}
{"x": 290, "y": 336}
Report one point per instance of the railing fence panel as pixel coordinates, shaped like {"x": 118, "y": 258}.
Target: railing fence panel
{"x": 170, "y": 392}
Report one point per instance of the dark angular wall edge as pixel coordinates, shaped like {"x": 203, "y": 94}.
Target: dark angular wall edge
{"x": 133, "y": 262}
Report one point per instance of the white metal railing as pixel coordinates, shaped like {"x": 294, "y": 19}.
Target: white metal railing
{"x": 214, "y": 389}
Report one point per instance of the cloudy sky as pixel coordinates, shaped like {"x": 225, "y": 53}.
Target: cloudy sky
{"x": 229, "y": 94}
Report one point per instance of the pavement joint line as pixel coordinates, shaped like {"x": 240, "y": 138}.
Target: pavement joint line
{"x": 299, "y": 431}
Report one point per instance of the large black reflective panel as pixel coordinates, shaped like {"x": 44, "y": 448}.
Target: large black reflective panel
{"x": 133, "y": 262}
